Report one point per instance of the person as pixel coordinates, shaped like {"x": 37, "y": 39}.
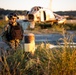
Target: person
{"x": 12, "y": 32}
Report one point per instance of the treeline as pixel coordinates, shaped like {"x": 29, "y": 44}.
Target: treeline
{"x": 71, "y": 14}
{"x": 23, "y": 12}
{"x": 4, "y": 12}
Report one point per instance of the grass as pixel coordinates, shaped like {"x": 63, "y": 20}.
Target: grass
{"x": 45, "y": 61}
{"x": 45, "y": 28}
{"x": 70, "y": 26}
{"x": 39, "y": 27}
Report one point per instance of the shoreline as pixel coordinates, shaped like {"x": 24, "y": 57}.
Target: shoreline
{"x": 48, "y": 31}
{"x": 43, "y": 31}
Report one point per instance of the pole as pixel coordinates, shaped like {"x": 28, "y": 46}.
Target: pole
{"x": 29, "y": 43}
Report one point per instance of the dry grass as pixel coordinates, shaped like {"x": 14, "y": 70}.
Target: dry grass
{"x": 45, "y": 61}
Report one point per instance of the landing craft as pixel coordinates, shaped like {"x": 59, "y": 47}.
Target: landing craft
{"x": 40, "y": 14}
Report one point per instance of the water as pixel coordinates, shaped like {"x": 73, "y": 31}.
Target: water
{"x": 48, "y": 38}
{"x": 53, "y": 38}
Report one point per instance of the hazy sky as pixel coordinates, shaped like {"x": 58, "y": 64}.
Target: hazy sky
{"x": 57, "y": 5}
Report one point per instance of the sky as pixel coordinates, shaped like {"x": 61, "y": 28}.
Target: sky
{"x": 56, "y": 5}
